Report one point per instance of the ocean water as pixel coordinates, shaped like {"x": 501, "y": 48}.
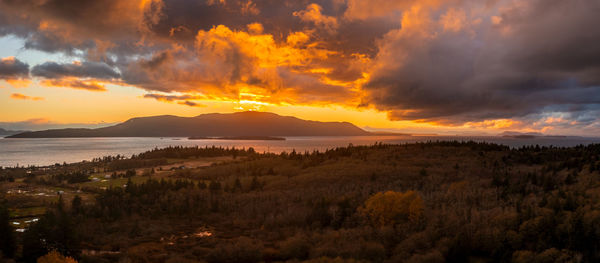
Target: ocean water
{"x": 39, "y": 152}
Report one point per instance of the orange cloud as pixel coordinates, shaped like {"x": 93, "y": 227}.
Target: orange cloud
{"x": 214, "y": 2}
{"x": 362, "y": 10}
{"x": 38, "y": 121}
{"x": 249, "y": 8}
{"x": 19, "y": 83}
{"x": 255, "y": 28}
{"x": 19, "y": 96}
{"x": 313, "y": 13}
{"x": 90, "y": 85}
{"x": 297, "y": 38}
{"x": 218, "y": 42}
{"x": 226, "y": 63}
{"x": 255, "y": 62}
{"x": 453, "y": 20}
{"x": 495, "y": 124}
{"x": 555, "y": 120}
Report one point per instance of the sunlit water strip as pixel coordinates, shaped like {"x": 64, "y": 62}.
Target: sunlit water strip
{"x": 25, "y": 152}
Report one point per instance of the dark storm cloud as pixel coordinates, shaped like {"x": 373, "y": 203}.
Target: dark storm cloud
{"x": 49, "y": 42}
{"x": 105, "y": 17}
{"x": 69, "y": 25}
{"x": 12, "y": 68}
{"x": 7, "y": 27}
{"x": 53, "y": 70}
{"x": 158, "y": 60}
{"x": 556, "y": 36}
{"x": 522, "y": 60}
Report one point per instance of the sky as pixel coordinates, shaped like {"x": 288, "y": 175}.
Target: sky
{"x": 430, "y": 66}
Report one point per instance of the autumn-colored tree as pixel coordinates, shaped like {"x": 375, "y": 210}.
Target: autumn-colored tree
{"x": 392, "y": 207}
{"x": 415, "y": 209}
{"x": 55, "y": 257}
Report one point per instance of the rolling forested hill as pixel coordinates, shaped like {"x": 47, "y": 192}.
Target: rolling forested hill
{"x": 425, "y": 202}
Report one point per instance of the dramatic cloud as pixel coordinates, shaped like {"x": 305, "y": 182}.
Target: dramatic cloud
{"x": 79, "y": 75}
{"x": 483, "y": 64}
{"x": 52, "y": 70}
{"x": 67, "y": 25}
{"x": 471, "y": 61}
{"x": 13, "y": 69}
{"x": 225, "y": 63}
{"x": 19, "y": 96}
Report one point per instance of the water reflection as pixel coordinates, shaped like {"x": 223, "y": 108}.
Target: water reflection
{"x": 58, "y": 150}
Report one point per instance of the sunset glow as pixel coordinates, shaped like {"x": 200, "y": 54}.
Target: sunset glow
{"x": 443, "y": 67}
{"x": 309, "y": 131}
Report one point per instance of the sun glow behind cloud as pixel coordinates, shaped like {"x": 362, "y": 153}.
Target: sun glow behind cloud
{"x": 251, "y": 102}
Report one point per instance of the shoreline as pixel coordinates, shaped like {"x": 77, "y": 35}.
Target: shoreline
{"x": 240, "y": 138}
{"x": 44, "y": 152}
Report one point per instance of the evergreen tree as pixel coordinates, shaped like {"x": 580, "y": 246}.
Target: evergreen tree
{"x": 76, "y": 205}
{"x": 237, "y": 186}
{"x": 54, "y": 231}
{"x": 7, "y": 238}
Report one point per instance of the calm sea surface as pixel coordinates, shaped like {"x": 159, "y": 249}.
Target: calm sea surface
{"x": 26, "y": 152}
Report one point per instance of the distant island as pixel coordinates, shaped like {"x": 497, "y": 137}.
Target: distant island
{"x": 249, "y": 138}
{"x": 9, "y": 132}
{"x": 527, "y": 135}
{"x": 239, "y": 124}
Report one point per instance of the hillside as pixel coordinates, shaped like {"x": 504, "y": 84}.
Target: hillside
{"x": 215, "y": 124}
{"x": 424, "y": 202}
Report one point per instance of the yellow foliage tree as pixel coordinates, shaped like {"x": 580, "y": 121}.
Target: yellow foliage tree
{"x": 392, "y": 207}
{"x": 55, "y": 257}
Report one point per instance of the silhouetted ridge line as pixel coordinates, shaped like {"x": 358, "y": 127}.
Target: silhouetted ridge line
{"x": 209, "y": 125}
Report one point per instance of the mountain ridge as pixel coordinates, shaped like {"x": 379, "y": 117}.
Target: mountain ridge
{"x": 211, "y": 124}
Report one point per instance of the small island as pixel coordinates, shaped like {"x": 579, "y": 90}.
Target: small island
{"x": 248, "y": 138}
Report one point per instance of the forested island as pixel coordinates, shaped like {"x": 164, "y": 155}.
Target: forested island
{"x": 423, "y": 202}
{"x": 238, "y": 124}
{"x": 236, "y": 138}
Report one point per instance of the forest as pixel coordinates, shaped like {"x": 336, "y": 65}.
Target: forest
{"x": 442, "y": 201}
